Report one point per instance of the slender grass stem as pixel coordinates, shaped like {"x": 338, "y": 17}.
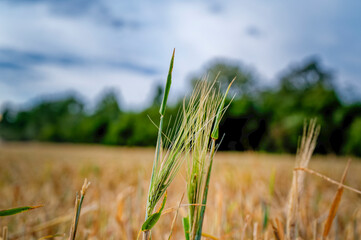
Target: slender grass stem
{"x": 205, "y": 193}
{"x": 155, "y": 163}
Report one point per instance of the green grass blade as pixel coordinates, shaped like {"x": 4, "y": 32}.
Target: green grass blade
{"x": 272, "y": 182}
{"x": 153, "y": 219}
{"x": 265, "y": 216}
{"x": 167, "y": 86}
{"x": 12, "y": 211}
{"x": 150, "y": 222}
{"x": 215, "y": 131}
{"x": 77, "y": 216}
{"x": 78, "y": 205}
{"x": 185, "y": 222}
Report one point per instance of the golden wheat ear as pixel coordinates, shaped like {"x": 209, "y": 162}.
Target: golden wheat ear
{"x": 303, "y": 157}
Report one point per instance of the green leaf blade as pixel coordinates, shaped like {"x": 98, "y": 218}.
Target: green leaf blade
{"x": 12, "y": 211}
{"x": 153, "y": 219}
{"x": 167, "y": 86}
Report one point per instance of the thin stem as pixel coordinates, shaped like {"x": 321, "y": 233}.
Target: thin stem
{"x": 146, "y": 235}
{"x": 155, "y": 163}
{"x": 328, "y": 179}
{"x": 205, "y": 193}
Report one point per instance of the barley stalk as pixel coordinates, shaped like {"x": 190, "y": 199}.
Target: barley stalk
{"x": 166, "y": 164}
{"x": 208, "y": 113}
{"x": 160, "y": 129}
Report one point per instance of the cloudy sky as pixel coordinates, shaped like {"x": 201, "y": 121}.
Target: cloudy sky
{"x": 50, "y": 46}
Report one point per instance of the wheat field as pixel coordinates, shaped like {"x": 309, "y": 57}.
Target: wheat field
{"x": 248, "y": 193}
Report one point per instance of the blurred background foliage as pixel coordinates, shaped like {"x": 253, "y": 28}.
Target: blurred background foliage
{"x": 259, "y": 118}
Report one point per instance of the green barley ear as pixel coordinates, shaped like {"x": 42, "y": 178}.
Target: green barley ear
{"x": 214, "y": 137}
{"x": 160, "y": 131}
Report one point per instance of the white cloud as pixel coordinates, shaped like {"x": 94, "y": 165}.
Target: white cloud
{"x": 199, "y": 30}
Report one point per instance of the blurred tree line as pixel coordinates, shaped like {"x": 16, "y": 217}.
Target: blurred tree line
{"x": 259, "y": 118}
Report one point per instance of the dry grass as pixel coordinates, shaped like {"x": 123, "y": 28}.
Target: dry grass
{"x": 50, "y": 174}
{"x": 303, "y": 157}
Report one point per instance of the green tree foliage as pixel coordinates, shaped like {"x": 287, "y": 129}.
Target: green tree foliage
{"x": 95, "y": 127}
{"x": 226, "y": 71}
{"x": 305, "y": 91}
{"x": 266, "y": 119}
{"x": 53, "y": 120}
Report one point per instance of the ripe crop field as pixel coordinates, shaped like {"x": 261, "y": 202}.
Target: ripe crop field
{"x": 248, "y": 193}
